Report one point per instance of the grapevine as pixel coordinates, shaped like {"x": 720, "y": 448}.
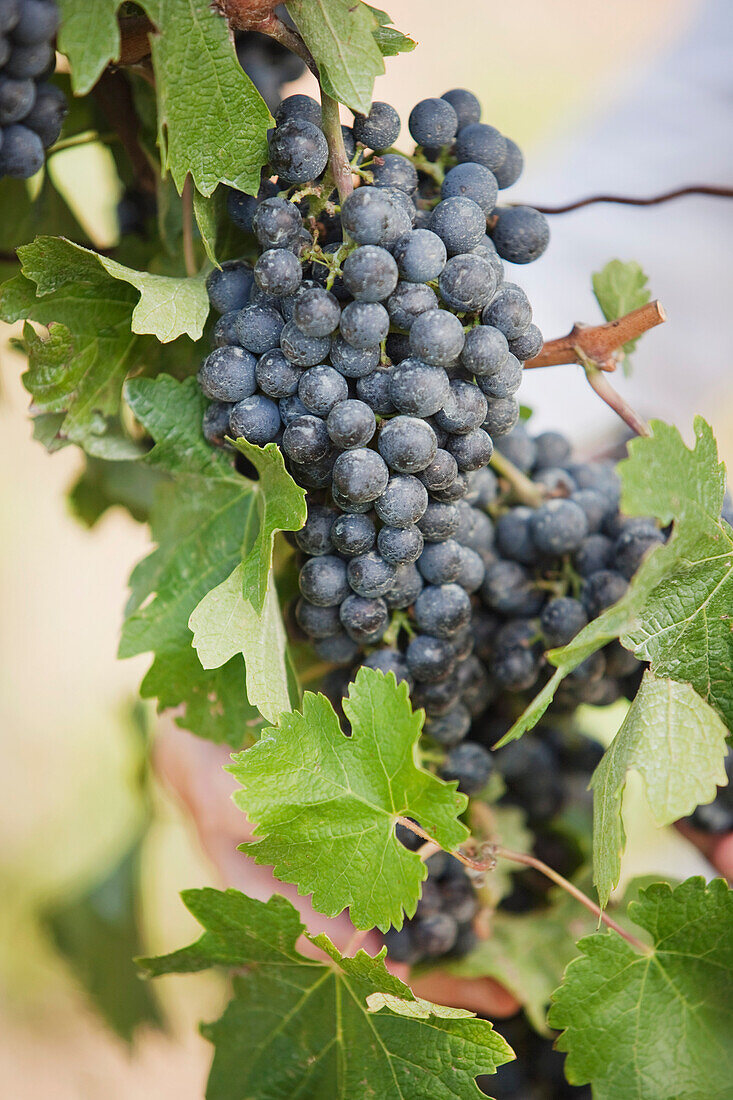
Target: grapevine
{"x": 400, "y": 611}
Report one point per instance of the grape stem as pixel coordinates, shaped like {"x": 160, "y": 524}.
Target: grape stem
{"x": 525, "y": 490}
{"x": 599, "y": 342}
{"x": 337, "y": 159}
{"x": 494, "y": 851}
{"x": 629, "y": 200}
{"x": 598, "y": 382}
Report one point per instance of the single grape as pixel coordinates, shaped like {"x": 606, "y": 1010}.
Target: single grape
{"x": 601, "y": 590}
{"x": 215, "y": 424}
{"x": 278, "y": 272}
{"x": 16, "y": 99}
{"x": 316, "y": 312}
{"x": 439, "y": 522}
{"x": 467, "y": 283}
{"x": 351, "y": 424}
{"x": 557, "y": 481}
{"x": 352, "y": 534}
{"x": 400, "y": 545}
{"x": 485, "y": 350}
{"x": 470, "y": 765}
{"x": 631, "y": 547}
{"x": 228, "y": 374}
{"x": 475, "y": 528}
{"x": 362, "y": 617}
{"x": 479, "y": 143}
{"x": 460, "y": 223}
{"x": 299, "y": 106}
{"x": 370, "y": 574}
{"x": 405, "y": 587}
{"x": 407, "y": 444}
{"x": 379, "y": 129}
{"x": 317, "y": 621}
{"x": 528, "y": 344}
{"x": 509, "y": 311}
{"x": 368, "y": 216}
{"x": 483, "y": 488}
{"x": 370, "y": 273}
{"x": 276, "y": 375}
{"x": 558, "y": 527}
{"x": 471, "y": 450}
{"x": 473, "y": 570}
{"x": 21, "y": 152}
{"x": 364, "y": 324}
{"x": 350, "y": 361}
{"x": 298, "y": 150}
{"x": 449, "y": 728}
{"x": 464, "y": 410}
{"x": 30, "y": 62}
{"x": 305, "y": 439}
{"x": 509, "y": 589}
{"x": 430, "y": 659}
{"x": 360, "y": 476}
{"x": 276, "y": 222}
{"x": 258, "y": 328}
{"x": 440, "y": 562}
{"x": 321, "y": 388}
{"x": 437, "y": 337}
{"x": 256, "y": 419}
{"x": 562, "y": 618}
{"x": 513, "y": 536}
{"x": 521, "y": 234}
{"x": 420, "y": 256}
{"x": 223, "y": 333}
{"x": 9, "y": 15}
{"x": 595, "y": 506}
{"x": 593, "y": 555}
{"x": 323, "y": 581}
{"x": 408, "y": 301}
{"x": 442, "y": 610}
{"x": 465, "y": 104}
{"x": 505, "y": 381}
{"x": 519, "y": 447}
{"x": 433, "y": 122}
{"x": 441, "y": 473}
{"x": 472, "y": 181}
{"x": 314, "y": 475}
{"x": 551, "y": 449}
{"x": 390, "y": 660}
{"x": 395, "y": 171}
{"x": 417, "y": 389}
{"x": 337, "y": 649}
{"x": 373, "y": 388}
{"x": 315, "y": 537}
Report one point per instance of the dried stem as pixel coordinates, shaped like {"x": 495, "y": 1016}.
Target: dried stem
{"x": 627, "y": 200}
{"x": 337, "y": 159}
{"x": 559, "y": 880}
{"x": 615, "y": 401}
{"x": 525, "y": 490}
{"x": 189, "y": 254}
{"x": 599, "y": 342}
{"x": 496, "y": 850}
{"x": 114, "y": 96}
{"x": 135, "y": 34}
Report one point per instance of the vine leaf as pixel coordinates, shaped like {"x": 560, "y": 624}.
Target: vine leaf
{"x": 621, "y": 287}
{"x": 340, "y": 35}
{"x": 677, "y": 743}
{"x": 96, "y": 335}
{"x": 678, "y": 611}
{"x": 325, "y": 805}
{"x": 297, "y": 1026}
{"x": 89, "y": 35}
{"x": 224, "y": 624}
{"x": 390, "y": 41}
{"x": 634, "y": 1024}
{"x": 212, "y": 120}
{"x": 198, "y": 521}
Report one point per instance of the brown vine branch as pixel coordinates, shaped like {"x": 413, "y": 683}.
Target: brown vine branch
{"x": 496, "y": 850}
{"x": 598, "y": 343}
{"x": 628, "y": 200}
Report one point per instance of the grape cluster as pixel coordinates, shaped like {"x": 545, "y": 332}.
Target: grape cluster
{"x": 379, "y": 345}
{"x": 32, "y": 110}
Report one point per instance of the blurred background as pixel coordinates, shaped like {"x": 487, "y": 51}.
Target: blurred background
{"x": 622, "y": 97}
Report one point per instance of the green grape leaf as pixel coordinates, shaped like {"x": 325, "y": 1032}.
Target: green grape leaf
{"x": 677, "y": 743}
{"x": 103, "y": 485}
{"x": 678, "y": 610}
{"x": 198, "y": 521}
{"x": 212, "y": 121}
{"x": 390, "y": 41}
{"x": 340, "y": 35}
{"x": 325, "y": 805}
{"x": 224, "y": 624}
{"x": 656, "y": 1025}
{"x": 99, "y": 935}
{"x": 343, "y": 1028}
{"x": 91, "y": 303}
{"x": 619, "y": 288}
{"x": 89, "y": 35}
{"x": 25, "y": 218}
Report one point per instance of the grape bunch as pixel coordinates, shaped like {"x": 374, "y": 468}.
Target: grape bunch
{"x": 379, "y": 345}
{"x": 32, "y": 110}
{"x": 538, "y": 1072}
